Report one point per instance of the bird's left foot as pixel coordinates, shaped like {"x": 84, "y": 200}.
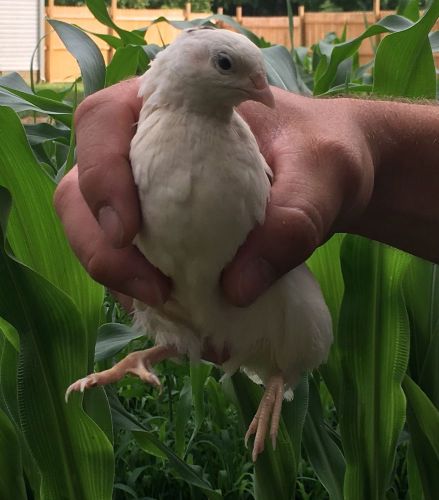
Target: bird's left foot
{"x": 270, "y": 406}
{"x": 137, "y": 363}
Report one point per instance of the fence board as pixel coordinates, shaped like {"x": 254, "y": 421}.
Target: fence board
{"x": 309, "y": 28}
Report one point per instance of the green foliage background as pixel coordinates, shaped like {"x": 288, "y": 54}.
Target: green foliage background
{"x": 365, "y": 426}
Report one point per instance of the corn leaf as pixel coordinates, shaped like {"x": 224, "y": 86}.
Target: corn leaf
{"x": 35, "y": 234}
{"x": 8, "y": 369}
{"x": 323, "y": 453}
{"x": 423, "y": 422}
{"x": 15, "y": 81}
{"x": 294, "y": 414}
{"x": 409, "y": 9}
{"x": 374, "y": 344}
{"x": 86, "y": 53}
{"x": 413, "y": 476}
{"x": 43, "y": 132}
{"x": 112, "y": 338}
{"x": 334, "y": 55}
{"x": 22, "y": 101}
{"x": 282, "y": 71}
{"x": 11, "y": 478}
{"x": 404, "y": 64}
{"x": 421, "y": 292}
{"x": 99, "y": 10}
{"x": 125, "y": 63}
{"x": 434, "y": 41}
{"x": 199, "y": 374}
{"x": 9, "y": 349}
{"x": 275, "y": 470}
{"x": 325, "y": 265}
{"x": 73, "y": 455}
{"x": 151, "y": 444}
{"x": 182, "y": 410}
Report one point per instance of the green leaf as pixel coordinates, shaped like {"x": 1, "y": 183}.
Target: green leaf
{"x": 43, "y": 132}
{"x": 421, "y": 292}
{"x": 404, "y": 64}
{"x": 434, "y": 41}
{"x": 148, "y": 441}
{"x": 373, "y": 344}
{"x": 413, "y": 476}
{"x": 282, "y": 71}
{"x": 275, "y": 470}
{"x": 11, "y": 478}
{"x": 15, "y": 81}
{"x": 294, "y": 415}
{"x": 182, "y": 411}
{"x": 73, "y": 455}
{"x": 409, "y": 9}
{"x": 199, "y": 374}
{"x": 23, "y": 101}
{"x": 112, "y": 338}
{"x": 99, "y": 11}
{"x": 325, "y": 265}
{"x": 36, "y": 235}
{"x": 9, "y": 348}
{"x": 124, "y": 64}
{"x": 335, "y": 54}
{"x": 113, "y": 41}
{"x": 86, "y": 53}
{"x": 423, "y": 422}
{"x": 323, "y": 453}
{"x": 350, "y": 88}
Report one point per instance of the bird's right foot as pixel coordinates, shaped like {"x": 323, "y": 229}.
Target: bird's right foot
{"x": 269, "y": 409}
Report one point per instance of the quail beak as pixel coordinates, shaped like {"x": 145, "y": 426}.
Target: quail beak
{"x": 260, "y": 91}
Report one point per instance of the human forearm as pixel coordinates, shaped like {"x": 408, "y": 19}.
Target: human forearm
{"x": 403, "y": 210}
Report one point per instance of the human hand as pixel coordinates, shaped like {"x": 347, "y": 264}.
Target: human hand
{"x": 323, "y": 180}
{"x": 97, "y": 200}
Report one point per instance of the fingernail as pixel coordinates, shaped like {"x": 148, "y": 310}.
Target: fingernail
{"x": 255, "y": 278}
{"x": 145, "y": 291}
{"x": 111, "y": 224}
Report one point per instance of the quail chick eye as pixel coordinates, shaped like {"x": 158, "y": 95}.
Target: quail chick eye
{"x": 224, "y": 62}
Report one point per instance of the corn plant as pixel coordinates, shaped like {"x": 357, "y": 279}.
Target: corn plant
{"x": 365, "y": 426}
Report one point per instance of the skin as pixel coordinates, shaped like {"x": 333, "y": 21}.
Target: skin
{"x": 340, "y": 165}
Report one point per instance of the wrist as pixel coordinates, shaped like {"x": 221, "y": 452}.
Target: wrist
{"x": 404, "y": 143}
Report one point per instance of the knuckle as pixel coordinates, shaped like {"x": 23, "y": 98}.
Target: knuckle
{"x": 86, "y": 107}
{"x": 306, "y": 226}
{"x": 61, "y": 194}
{"x": 96, "y": 268}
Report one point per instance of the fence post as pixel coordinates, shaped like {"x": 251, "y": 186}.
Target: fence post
{"x": 49, "y": 47}
{"x": 239, "y": 14}
{"x": 220, "y": 11}
{"x": 187, "y": 11}
{"x": 302, "y": 29}
{"x": 377, "y": 9}
{"x": 113, "y": 16}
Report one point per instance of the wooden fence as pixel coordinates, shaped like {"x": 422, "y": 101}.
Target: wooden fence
{"x": 309, "y": 28}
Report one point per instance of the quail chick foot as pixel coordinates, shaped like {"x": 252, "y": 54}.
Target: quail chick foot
{"x": 270, "y": 406}
{"x": 138, "y": 363}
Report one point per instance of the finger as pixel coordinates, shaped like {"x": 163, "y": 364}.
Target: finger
{"x": 105, "y": 124}
{"x": 125, "y": 270}
{"x": 304, "y": 202}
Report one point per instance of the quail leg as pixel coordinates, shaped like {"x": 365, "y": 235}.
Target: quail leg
{"x": 270, "y": 406}
{"x": 138, "y": 363}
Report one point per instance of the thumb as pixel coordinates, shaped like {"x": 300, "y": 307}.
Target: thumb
{"x": 304, "y": 202}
